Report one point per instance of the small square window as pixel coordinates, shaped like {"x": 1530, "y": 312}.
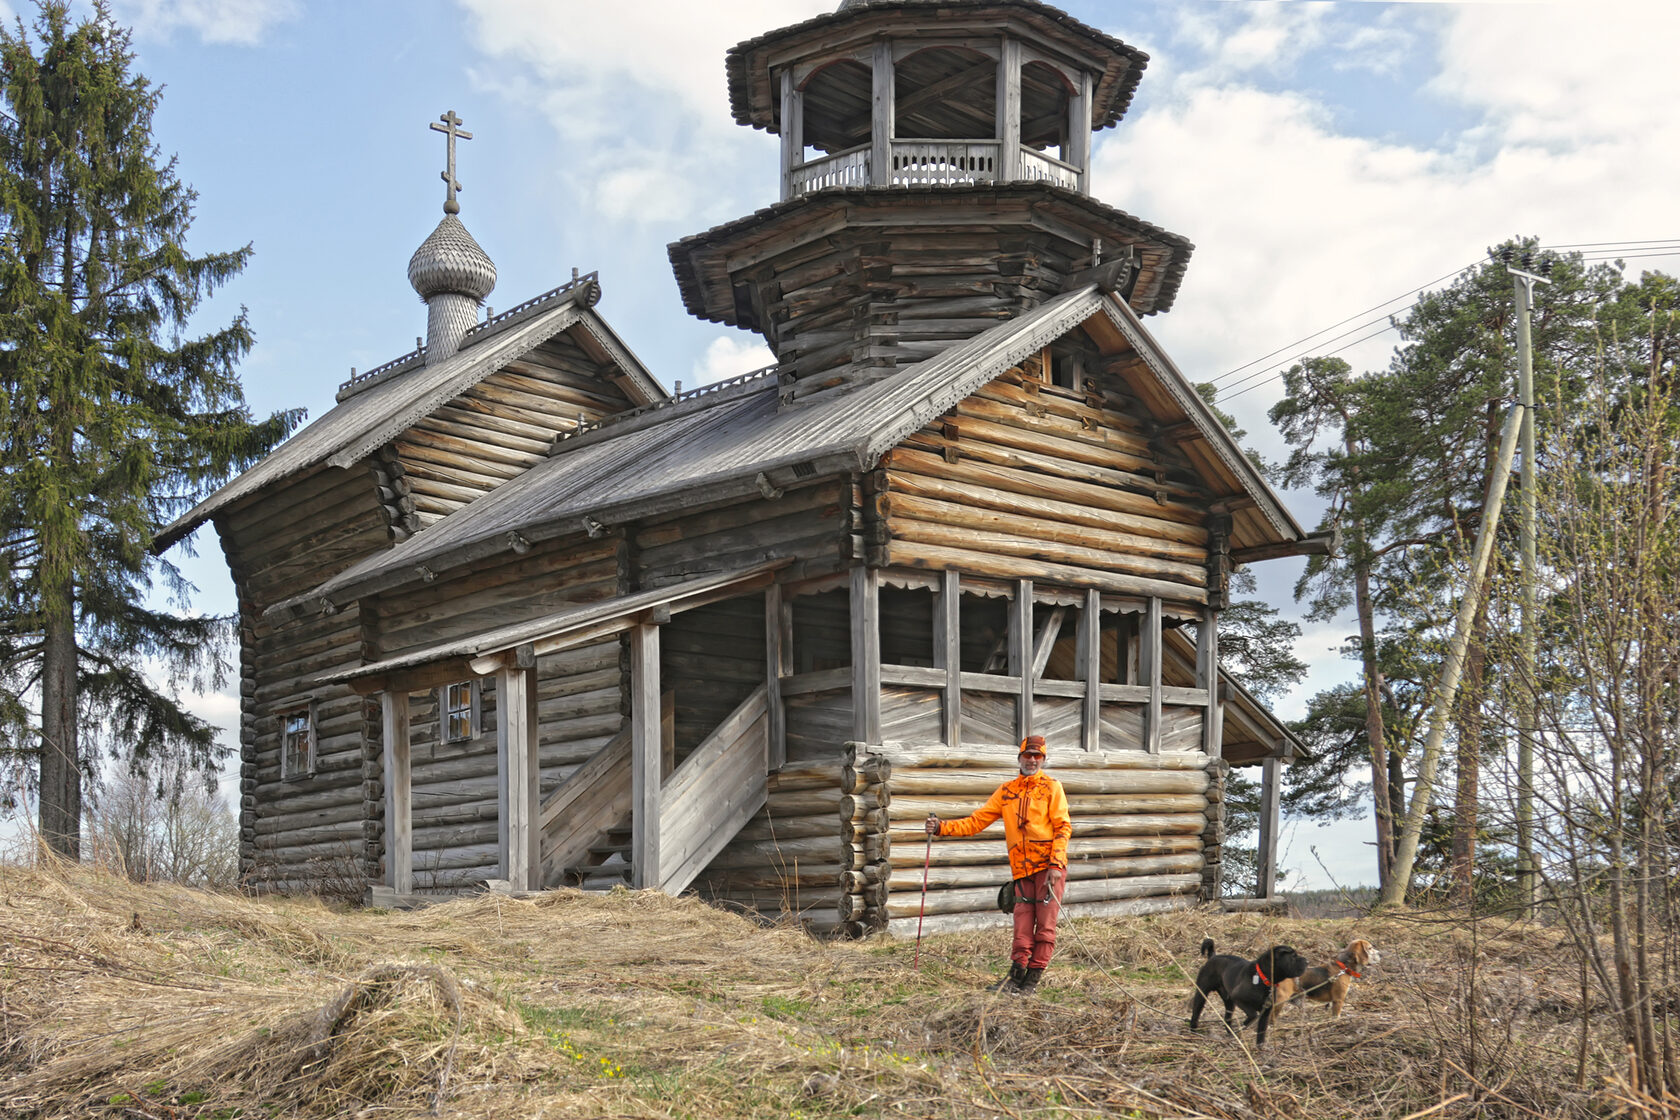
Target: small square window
{"x": 297, "y": 742}
{"x": 460, "y": 711}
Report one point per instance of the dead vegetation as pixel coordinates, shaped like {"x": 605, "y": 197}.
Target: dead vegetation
{"x": 125, "y": 1000}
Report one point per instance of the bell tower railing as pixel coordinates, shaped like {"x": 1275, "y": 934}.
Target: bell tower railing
{"x": 887, "y": 160}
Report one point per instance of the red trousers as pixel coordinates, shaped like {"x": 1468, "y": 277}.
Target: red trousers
{"x": 1035, "y": 920}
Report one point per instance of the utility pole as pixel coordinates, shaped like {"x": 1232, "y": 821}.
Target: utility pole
{"x": 1524, "y": 282}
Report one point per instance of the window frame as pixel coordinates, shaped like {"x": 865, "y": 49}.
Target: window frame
{"x": 289, "y": 770}
{"x": 474, "y": 711}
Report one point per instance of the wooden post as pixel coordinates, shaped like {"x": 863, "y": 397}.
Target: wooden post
{"x": 1021, "y": 652}
{"x": 793, "y": 131}
{"x": 1271, "y": 777}
{"x": 1009, "y": 111}
{"x": 644, "y": 754}
{"x": 881, "y": 119}
{"x": 1149, "y": 667}
{"x": 1207, "y": 677}
{"x": 1090, "y": 670}
{"x": 1079, "y": 131}
{"x": 778, "y": 649}
{"x": 516, "y": 748}
{"x": 866, "y": 655}
{"x": 947, "y": 652}
{"x": 399, "y": 832}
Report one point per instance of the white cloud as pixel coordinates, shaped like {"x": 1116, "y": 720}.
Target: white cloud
{"x": 730, "y": 356}
{"x": 637, "y": 94}
{"x": 236, "y": 22}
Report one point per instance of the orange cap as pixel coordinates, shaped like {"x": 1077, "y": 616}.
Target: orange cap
{"x": 1033, "y": 744}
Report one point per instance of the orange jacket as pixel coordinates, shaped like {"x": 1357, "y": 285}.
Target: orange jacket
{"x": 1036, "y": 824}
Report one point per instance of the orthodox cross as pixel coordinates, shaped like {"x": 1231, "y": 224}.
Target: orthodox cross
{"x": 451, "y": 128}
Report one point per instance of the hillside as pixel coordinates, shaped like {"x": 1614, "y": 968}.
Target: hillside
{"x": 120, "y": 1000}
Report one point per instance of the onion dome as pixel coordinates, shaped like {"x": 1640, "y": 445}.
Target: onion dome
{"x": 451, "y": 262}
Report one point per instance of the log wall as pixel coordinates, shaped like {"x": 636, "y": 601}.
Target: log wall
{"x": 1139, "y": 823}
{"x": 304, "y": 832}
{"x": 499, "y": 428}
{"x": 1027, "y": 480}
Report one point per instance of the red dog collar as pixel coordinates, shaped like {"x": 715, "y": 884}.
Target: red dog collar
{"x": 1346, "y": 969}
{"x": 1261, "y": 975}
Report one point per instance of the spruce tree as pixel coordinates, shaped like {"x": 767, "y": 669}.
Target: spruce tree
{"x": 112, "y": 420}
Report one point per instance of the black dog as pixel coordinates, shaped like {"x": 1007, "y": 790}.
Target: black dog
{"x": 1243, "y": 983}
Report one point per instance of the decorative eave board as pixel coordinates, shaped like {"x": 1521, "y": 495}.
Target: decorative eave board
{"x": 370, "y": 417}
{"x": 745, "y": 443}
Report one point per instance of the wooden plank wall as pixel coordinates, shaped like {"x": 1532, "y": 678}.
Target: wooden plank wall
{"x": 499, "y": 428}
{"x": 304, "y": 833}
{"x": 1028, "y": 480}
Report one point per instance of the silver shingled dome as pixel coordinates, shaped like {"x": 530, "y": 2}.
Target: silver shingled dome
{"x": 450, "y": 262}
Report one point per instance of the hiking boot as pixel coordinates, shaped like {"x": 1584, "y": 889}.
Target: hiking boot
{"x": 1029, "y": 981}
{"x": 1012, "y": 983}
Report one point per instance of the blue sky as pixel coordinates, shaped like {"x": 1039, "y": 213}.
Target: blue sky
{"x": 1323, "y": 157}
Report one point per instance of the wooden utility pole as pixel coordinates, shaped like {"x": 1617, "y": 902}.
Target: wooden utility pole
{"x": 1527, "y": 669}
{"x": 1446, "y": 691}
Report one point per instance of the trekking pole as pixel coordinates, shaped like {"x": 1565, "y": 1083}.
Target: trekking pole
{"x": 927, "y": 857}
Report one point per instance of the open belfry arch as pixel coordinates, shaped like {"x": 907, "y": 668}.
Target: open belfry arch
{"x": 511, "y": 613}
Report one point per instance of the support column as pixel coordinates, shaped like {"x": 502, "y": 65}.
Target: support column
{"x": 1021, "y": 653}
{"x": 399, "y": 831}
{"x": 1090, "y": 670}
{"x": 866, "y": 655}
{"x": 1207, "y": 678}
{"x": 644, "y": 755}
{"x": 1009, "y": 111}
{"x": 1149, "y": 668}
{"x": 793, "y": 131}
{"x": 778, "y": 656}
{"x": 947, "y": 652}
{"x": 516, "y": 749}
{"x": 1079, "y": 132}
{"x": 1270, "y": 781}
{"x": 882, "y": 112}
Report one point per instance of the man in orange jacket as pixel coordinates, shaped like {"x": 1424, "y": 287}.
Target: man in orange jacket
{"x": 1036, "y": 827}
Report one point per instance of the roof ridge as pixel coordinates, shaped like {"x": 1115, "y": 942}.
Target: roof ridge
{"x": 714, "y": 393}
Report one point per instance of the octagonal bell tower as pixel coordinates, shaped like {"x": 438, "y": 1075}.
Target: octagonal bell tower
{"x": 935, "y": 173}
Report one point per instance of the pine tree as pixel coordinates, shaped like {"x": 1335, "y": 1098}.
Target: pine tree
{"x": 111, "y": 422}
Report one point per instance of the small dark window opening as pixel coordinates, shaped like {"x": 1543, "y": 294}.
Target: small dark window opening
{"x": 822, "y": 631}
{"x": 907, "y": 626}
{"x": 1064, "y": 371}
{"x": 984, "y": 627}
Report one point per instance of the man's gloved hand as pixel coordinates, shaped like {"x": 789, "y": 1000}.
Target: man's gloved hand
{"x": 932, "y": 825}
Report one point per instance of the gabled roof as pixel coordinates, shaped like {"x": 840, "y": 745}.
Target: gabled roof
{"x": 738, "y": 441}
{"x": 380, "y": 405}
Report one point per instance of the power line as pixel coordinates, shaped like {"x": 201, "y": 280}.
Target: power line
{"x": 1270, "y": 371}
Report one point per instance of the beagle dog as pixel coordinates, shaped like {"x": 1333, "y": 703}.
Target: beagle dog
{"x": 1330, "y": 983}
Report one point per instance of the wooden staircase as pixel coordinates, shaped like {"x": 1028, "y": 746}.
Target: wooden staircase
{"x": 588, "y": 829}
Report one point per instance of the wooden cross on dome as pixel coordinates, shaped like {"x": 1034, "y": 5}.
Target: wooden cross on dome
{"x": 451, "y": 128}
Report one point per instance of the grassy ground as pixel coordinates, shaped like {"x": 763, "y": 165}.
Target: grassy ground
{"x": 121, "y": 1000}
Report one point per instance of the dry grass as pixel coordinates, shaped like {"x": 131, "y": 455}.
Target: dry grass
{"x": 154, "y": 1001}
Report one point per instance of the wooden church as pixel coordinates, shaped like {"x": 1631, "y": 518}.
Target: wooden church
{"x": 512, "y": 613}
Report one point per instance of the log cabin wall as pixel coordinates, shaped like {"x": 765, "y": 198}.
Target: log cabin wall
{"x": 580, "y": 697}
{"x": 1138, "y": 827}
{"x": 1027, "y": 479}
{"x": 494, "y": 431}
{"x": 305, "y": 831}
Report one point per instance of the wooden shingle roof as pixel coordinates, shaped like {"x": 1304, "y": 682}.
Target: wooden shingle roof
{"x": 740, "y": 441}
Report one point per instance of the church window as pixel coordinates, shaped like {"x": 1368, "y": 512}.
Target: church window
{"x": 297, "y": 742}
{"x": 460, "y": 711}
